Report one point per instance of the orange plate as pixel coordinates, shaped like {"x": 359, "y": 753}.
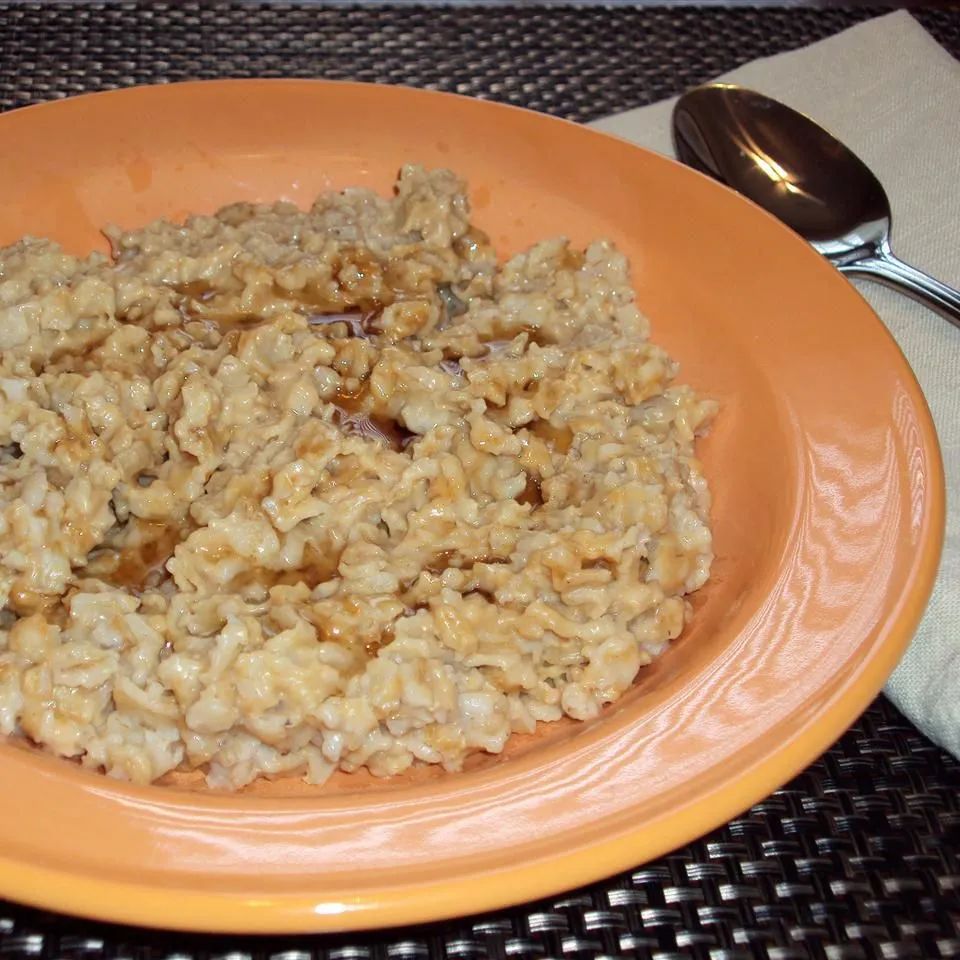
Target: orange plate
{"x": 828, "y": 517}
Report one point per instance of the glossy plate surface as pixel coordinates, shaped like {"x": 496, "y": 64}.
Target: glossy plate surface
{"x": 828, "y": 518}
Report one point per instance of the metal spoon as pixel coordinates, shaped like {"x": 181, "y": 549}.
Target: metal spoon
{"x": 796, "y": 170}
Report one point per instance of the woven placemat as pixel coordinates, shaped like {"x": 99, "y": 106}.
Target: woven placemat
{"x": 579, "y": 63}
{"x": 857, "y": 858}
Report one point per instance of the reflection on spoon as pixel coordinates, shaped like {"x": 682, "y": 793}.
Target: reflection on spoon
{"x": 804, "y": 176}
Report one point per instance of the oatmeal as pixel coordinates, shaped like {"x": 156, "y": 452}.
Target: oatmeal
{"x": 285, "y": 492}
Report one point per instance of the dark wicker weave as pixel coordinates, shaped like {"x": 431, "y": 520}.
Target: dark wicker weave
{"x": 578, "y": 63}
{"x": 859, "y": 857}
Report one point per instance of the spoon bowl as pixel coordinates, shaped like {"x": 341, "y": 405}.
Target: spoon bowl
{"x": 793, "y": 168}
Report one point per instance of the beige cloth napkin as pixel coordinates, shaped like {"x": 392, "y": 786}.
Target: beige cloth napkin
{"x": 893, "y": 94}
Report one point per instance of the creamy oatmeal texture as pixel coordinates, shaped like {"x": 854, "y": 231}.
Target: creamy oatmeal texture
{"x": 284, "y": 492}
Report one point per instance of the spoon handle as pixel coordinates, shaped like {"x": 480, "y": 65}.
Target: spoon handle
{"x": 886, "y": 268}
